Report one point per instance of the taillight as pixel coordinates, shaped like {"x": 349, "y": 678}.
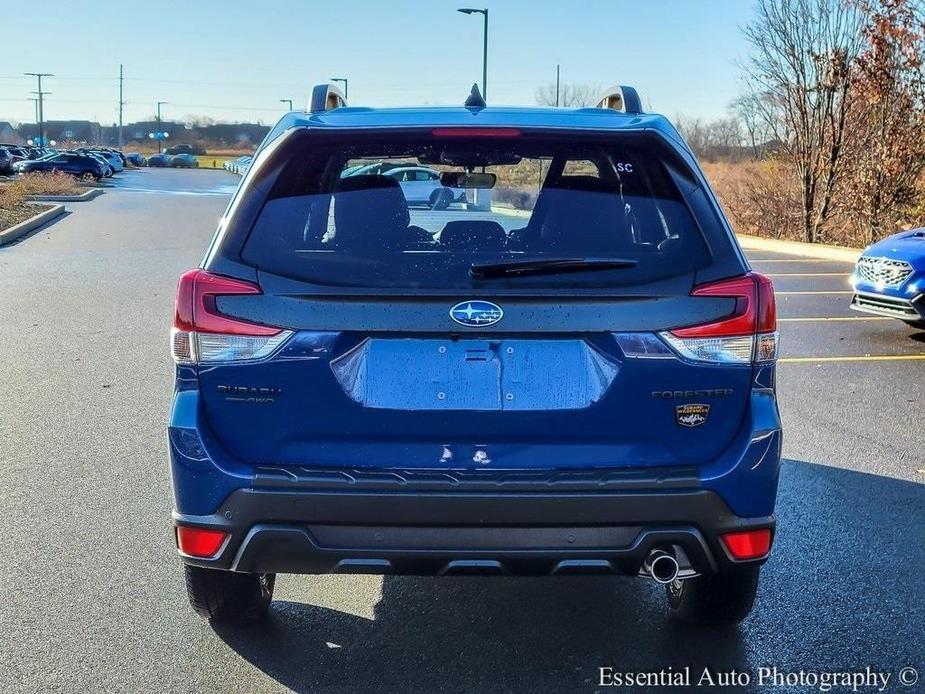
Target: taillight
{"x": 201, "y": 334}
{"x": 200, "y": 542}
{"x": 748, "y": 544}
{"x": 748, "y": 335}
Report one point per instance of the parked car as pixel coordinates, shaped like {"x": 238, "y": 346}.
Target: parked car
{"x": 239, "y": 165}
{"x": 6, "y": 161}
{"x": 79, "y": 165}
{"x": 422, "y": 186}
{"x": 159, "y": 160}
{"x": 111, "y": 157}
{"x": 184, "y": 161}
{"x": 136, "y": 159}
{"x": 184, "y": 148}
{"x": 889, "y": 278}
{"x": 586, "y": 387}
{"x": 108, "y": 169}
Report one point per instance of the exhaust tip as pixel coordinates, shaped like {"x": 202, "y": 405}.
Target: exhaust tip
{"x": 662, "y": 566}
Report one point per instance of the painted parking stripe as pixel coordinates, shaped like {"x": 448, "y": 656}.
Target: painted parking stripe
{"x": 798, "y": 260}
{"x": 838, "y": 319}
{"x": 866, "y": 357}
{"x": 808, "y": 274}
{"x": 815, "y": 291}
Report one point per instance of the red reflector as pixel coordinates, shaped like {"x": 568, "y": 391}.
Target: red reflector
{"x": 196, "y": 309}
{"x": 750, "y": 544}
{"x": 198, "y": 542}
{"x": 475, "y": 132}
{"x": 755, "y": 310}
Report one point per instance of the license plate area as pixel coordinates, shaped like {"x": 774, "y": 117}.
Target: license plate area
{"x": 474, "y": 374}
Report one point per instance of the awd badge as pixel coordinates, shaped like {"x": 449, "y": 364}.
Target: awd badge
{"x": 691, "y": 415}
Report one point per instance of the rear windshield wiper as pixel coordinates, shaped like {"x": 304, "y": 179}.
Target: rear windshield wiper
{"x": 548, "y": 266}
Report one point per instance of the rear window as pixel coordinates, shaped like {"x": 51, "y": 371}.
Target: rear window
{"x": 376, "y": 212}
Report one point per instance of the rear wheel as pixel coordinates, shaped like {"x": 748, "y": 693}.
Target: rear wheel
{"x": 87, "y": 176}
{"x": 723, "y": 598}
{"x": 441, "y": 198}
{"x": 229, "y": 596}
{"x": 916, "y": 323}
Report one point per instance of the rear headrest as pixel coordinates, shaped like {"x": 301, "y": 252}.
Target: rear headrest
{"x": 473, "y": 235}
{"x": 592, "y": 184}
{"x": 370, "y": 210}
{"x": 585, "y": 221}
{"x": 364, "y": 182}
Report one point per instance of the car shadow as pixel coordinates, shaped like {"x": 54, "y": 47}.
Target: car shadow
{"x": 843, "y": 589}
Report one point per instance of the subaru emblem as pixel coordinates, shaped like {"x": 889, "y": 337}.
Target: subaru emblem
{"x": 476, "y": 314}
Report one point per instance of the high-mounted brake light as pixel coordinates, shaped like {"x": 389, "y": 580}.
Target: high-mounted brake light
{"x": 748, "y": 544}
{"x": 748, "y": 334}
{"x": 200, "y": 542}
{"x": 202, "y": 334}
{"x": 475, "y": 132}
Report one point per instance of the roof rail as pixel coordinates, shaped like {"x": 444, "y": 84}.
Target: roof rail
{"x": 621, "y": 98}
{"x": 326, "y": 97}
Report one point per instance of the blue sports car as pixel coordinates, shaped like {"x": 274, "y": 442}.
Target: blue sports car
{"x": 889, "y": 278}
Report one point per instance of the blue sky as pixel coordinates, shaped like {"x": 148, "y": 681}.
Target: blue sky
{"x": 234, "y": 59}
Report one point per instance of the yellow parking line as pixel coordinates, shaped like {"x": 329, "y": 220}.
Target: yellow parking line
{"x": 867, "y": 357}
{"x": 808, "y": 274}
{"x": 797, "y": 260}
{"x": 832, "y": 318}
{"x": 822, "y": 291}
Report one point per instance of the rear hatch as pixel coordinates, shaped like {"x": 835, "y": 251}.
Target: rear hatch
{"x": 543, "y": 322}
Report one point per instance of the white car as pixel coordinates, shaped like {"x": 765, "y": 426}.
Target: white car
{"x": 422, "y": 186}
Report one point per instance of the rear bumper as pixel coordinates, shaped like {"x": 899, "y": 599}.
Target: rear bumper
{"x": 444, "y": 533}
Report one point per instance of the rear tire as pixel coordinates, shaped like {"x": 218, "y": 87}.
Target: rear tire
{"x": 226, "y": 596}
{"x": 915, "y": 324}
{"x": 441, "y": 198}
{"x": 723, "y": 598}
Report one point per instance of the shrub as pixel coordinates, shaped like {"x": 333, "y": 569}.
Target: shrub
{"x": 56, "y": 183}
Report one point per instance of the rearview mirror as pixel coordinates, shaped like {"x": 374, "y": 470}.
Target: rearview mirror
{"x": 461, "y": 179}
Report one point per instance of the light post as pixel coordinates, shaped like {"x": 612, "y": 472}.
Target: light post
{"x": 472, "y": 10}
{"x": 160, "y": 134}
{"x": 344, "y": 80}
{"x": 286, "y": 101}
{"x": 41, "y": 94}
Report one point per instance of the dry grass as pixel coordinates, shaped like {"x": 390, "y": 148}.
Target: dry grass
{"x": 13, "y": 206}
{"x": 56, "y": 183}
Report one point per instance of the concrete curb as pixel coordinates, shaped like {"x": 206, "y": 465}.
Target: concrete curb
{"x": 23, "y": 228}
{"x": 86, "y": 195}
{"x": 806, "y": 250}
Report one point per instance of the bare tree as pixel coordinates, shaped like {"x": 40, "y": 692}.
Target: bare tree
{"x": 755, "y": 130}
{"x": 890, "y": 89}
{"x": 571, "y": 95}
{"x": 799, "y": 73}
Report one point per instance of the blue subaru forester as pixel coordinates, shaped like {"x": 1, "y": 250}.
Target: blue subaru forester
{"x": 568, "y": 370}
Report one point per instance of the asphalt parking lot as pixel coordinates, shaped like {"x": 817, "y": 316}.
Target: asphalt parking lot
{"x": 93, "y": 598}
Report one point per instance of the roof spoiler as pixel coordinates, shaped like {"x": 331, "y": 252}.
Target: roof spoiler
{"x": 326, "y": 97}
{"x": 621, "y": 98}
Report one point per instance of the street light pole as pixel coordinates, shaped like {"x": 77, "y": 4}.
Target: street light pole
{"x": 344, "y": 80}
{"x": 41, "y": 117}
{"x": 158, "y": 134}
{"x": 286, "y": 101}
{"x": 557, "y": 84}
{"x": 484, "y": 13}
